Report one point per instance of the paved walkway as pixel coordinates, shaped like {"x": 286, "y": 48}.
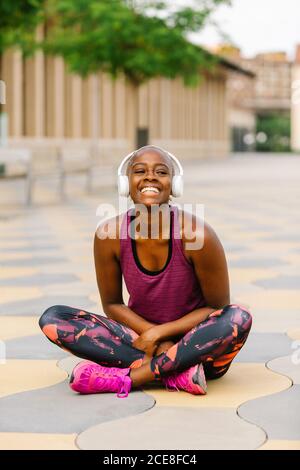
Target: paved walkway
{"x": 252, "y": 202}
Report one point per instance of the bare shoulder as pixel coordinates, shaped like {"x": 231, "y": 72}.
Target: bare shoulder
{"x": 109, "y": 228}
{"x": 107, "y": 235}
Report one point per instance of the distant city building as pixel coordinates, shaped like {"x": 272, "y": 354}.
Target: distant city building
{"x": 295, "y": 103}
{"x": 270, "y": 93}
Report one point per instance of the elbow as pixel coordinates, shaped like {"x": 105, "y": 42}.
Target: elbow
{"x": 219, "y": 305}
{"x": 110, "y": 310}
{"x": 107, "y": 311}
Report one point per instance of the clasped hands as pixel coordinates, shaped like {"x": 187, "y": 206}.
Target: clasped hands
{"x": 151, "y": 343}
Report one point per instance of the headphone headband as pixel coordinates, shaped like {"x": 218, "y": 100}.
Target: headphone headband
{"x": 177, "y": 179}
{"x": 179, "y": 167}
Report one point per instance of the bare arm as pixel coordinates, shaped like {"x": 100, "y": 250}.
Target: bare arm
{"x": 211, "y": 269}
{"x": 109, "y": 280}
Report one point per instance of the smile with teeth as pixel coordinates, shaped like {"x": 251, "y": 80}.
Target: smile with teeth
{"x": 149, "y": 189}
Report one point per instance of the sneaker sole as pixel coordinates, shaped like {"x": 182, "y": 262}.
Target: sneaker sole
{"x": 198, "y": 378}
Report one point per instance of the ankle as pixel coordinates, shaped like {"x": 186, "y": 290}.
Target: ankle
{"x": 146, "y": 360}
{"x": 134, "y": 376}
{"x": 141, "y": 375}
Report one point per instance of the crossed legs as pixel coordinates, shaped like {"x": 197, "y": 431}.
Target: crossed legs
{"x": 214, "y": 342}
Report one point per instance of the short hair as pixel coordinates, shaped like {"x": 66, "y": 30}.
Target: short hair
{"x": 146, "y": 148}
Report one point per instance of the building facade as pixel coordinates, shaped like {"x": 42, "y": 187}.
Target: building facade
{"x": 275, "y": 90}
{"x": 295, "y": 103}
{"x": 45, "y": 103}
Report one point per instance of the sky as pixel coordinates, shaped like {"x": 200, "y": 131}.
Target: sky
{"x": 257, "y": 26}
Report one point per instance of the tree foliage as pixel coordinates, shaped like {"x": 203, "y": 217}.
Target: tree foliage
{"x": 139, "y": 38}
{"x": 277, "y": 129}
{"x": 142, "y": 39}
{"x": 18, "y": 21}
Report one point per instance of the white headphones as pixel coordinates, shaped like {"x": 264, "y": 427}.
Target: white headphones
{"x": 177, "y": 180}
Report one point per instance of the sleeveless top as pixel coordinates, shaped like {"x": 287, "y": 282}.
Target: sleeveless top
{"x": 164, "y": 295}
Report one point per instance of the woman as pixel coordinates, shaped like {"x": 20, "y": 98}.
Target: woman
{"x": 179, "y": 326}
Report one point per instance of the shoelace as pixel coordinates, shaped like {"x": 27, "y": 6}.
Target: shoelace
{"x": 123, "y": 383}
{"x": 125, "y": 386}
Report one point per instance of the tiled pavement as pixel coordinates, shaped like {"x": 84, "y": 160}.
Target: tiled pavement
{"x": 252, "y": 202}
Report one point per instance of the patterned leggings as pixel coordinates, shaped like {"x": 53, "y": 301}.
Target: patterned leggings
{"x": 214, "y": 342}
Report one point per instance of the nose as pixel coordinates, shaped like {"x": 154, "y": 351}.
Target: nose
{"x": 150, "y": 175}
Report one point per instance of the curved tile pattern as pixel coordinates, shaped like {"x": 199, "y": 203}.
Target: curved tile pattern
{"x": 277, "y": 414}
{"x": 259, "y": 262}
{"x": 81, "y": 289}
{"x": 243, "y": 382}
{"x": 37, "y": 389}
{"x": 174, "y": 428}
{"x": 20, "y": 375}
{"x": 262, "y": 347}
{"x": 38, "y": 304}
{"x": 32, "y": 248}
{"x": 274, "y": 321}
{"x": 294, "y": 333}
{"x": 58, "y": 409}
{"x": 10, "y": 294}
{"x": 280, "y": 445}
{"x": 33, "y": 347}
{"x": 39, "y": 279}
{"x": 68, "y": 363}
{"x": 15, "y": 327}
{"x": 247, "y": 275}
{"x": 14, "y": 257}
{"x": 287, "y": 366}
{"x": 32, "y": 261}
{"x": 32, "y": 441}
{"x": 279, "y": 282}
{"x": 271, "y": 299}
{"x": 9, "y": 273}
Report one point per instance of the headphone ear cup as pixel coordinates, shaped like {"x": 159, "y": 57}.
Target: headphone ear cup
{"x": 123, "y": 185}
{"x": 177, "y": 186}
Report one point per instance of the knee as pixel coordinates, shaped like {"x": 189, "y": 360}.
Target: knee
{"x": 49, "y": 317}
{"x": 241, "y": 317}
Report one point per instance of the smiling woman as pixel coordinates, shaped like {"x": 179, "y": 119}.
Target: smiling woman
{"x": 158, "y": 181}
{"x": 179, "y": 325}
{"x": 150, "y": 178}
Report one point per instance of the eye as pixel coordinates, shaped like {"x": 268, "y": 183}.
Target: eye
{"x": 139, "y": 171}
{"x": 161, "y": 172}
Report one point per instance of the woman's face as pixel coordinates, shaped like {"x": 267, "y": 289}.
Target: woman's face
{"x": 150, "y": 170}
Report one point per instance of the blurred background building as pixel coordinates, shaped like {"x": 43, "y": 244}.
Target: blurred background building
{"x": 262, "y": 116}
{"x": 45, "y": 102}
{"x": 245, "y": 105}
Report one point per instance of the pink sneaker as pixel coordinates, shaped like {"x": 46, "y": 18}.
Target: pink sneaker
{"x": 191, "y": 380}
{"x": 89, "y": 377}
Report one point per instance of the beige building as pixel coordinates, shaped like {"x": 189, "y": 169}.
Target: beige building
{"x": 45, "y": 103}
{"x": 276, "y": 89}
{"x": 295, "y": 103}
{"x": 273, "y": 82}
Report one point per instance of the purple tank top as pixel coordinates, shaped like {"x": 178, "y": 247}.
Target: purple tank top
{"x": 164, "y": 295}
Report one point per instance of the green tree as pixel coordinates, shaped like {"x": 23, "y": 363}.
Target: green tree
{"x": 18, "y": 21}
{"x": 276, "y": 130}
{"x": 141, "y": 39}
